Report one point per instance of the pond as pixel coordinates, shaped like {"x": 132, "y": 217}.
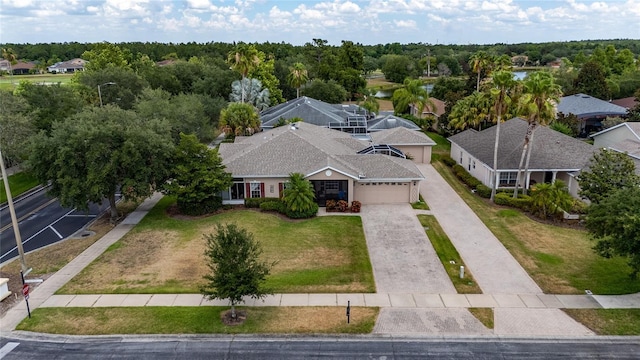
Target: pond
{"x": 389, "y": 93}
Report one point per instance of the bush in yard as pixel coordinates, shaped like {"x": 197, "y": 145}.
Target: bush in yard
{"x": 466, "y": 178}
{"x": 342, "y": 205}
{"x": 254, "y": 203}
{"x": 447, "y": 160}
{"x": 311, "y": 212}
{"x": 273, "y": 204}
{"x": 299, "y": 197}
{"x": 522, "y": 202}
{"x": 330, "y": 205}
{"x": 355, "y": 206}
{"x": 483, "y": 190}
{"x": 550, "y": 199}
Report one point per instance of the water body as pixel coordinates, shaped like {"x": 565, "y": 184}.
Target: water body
{"x": 389, "y": 93}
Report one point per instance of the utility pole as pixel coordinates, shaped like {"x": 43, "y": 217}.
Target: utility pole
{"x": 14, "y": 219}
{"x": 428, "y": 63}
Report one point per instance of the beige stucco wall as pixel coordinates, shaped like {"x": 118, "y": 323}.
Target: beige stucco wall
{"x": 270, "y": 185}
{"x": 386, "y": 193}
{"x": 421, "y": 154}
{"x": 475, "y": 167}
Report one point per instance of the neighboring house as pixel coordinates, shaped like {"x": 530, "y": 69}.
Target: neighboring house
{"x": 414, "y": 144}
{"x": 439, "y": 108}
{"x": 337, "y": 164}
{"x": 22, "y": 68}
{"x": 67, "y": 66}
{"x": 554, "y": 155}
{"x": 624, "y": 138}
{"x": 349, "y": 118}
{"x": 627, "y": 103}
{"x": 5, "y": 65}
{"x": 589, "y": 110}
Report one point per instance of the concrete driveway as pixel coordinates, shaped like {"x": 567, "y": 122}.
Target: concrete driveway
{"x": 402, "y": 257}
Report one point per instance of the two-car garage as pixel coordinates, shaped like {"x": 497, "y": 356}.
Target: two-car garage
{"x": 384, "y": 192}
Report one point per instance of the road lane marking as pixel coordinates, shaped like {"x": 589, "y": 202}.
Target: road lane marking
{"x": 55, "y": 231}
{"x": 7, "y": 348}
{"x": 38, "y": 233}
{"x": 30, "y": 213}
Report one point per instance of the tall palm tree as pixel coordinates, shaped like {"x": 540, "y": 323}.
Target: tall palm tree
{"x": 412, "y": 93}
{"x": 11, "y": 56}
{"x": 541, "y": 94}
{"x": 252, "y": 91}
{"x": 298, "y": 76}
{"x": 244, "y": 59}
{"x": 298, "y": 195}
{"x": 502, "y": 84}
{"x": 478, "y": 62}
{"x": 471, "y": 112}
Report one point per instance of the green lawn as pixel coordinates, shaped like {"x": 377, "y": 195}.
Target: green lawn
{"x": 18, "y": 183}
{"x": 443, "y": 146}
{"x": 559, "y": 259}
{"x": 164, "y": 254}
{"x": 447, "y": 253}
{"x": 199, "y": 320}
{"x": 11, "y": 82}
{"x": 608, "y": 321}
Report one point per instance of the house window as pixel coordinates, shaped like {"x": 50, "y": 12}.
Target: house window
{"x": 508, "y": 178}
{"x": 331, "y": 185}
{"x": 255, "y": 190}
{"x": 271, "y": 188}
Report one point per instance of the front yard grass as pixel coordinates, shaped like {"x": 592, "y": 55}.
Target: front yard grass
{"x": 18, "y": 183}
{"x": 608, "y": 321}
{"x": 199, "y": 320}
{"x": 165, "y": 254}
{"x": 448, "y": 253}
{"x": 559, "y": 259}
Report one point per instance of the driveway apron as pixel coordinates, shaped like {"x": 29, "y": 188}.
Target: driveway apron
{"x": 402, "y": 257}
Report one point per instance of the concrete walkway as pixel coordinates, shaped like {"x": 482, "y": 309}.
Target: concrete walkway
{"x": 402, "y": 256}
{"x": 44, "y": 291}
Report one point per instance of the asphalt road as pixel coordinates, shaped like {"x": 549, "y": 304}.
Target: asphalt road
{"x": 42, "y": 221}
{"x": 245, "y": 347}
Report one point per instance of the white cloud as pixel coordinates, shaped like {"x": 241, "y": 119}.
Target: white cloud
{"x": 198, "y": 4}
{"x": 407, "y": 24}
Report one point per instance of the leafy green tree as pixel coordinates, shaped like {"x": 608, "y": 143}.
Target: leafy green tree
{"x": 244, "y": 59}
{"x": 537, "y": 105}
{"x": 299, "y": 196}
{"x": 607, "y": 172}
{"x": 233, "y": 257}
{"x": 91, "y": 155}
{"x": 265, "y": 72}
{"x": 471, "y": 112}
{"x": 49, "y": 104}
{"x": 118, "y": 86}
{"x": 396, "y": 68}
{"x": 239, "y": 119}
{"x": 328, "y": 91}
{"x": 16, "y": 128}
{"x": 549, "y": 199}
{"x": 197, "y": 177}
{"x": 370, "y": 104}
{"x": 592, "y": 81}
{"x": 615, "y": 224}
{"x": 298, "y": 77}
{"x": 106, "y": 55}
{"x": 412, "y": 93}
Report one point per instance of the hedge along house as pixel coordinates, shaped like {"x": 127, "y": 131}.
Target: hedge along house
{"x": 553, "y": 155}
{"x": 338, "y": 165}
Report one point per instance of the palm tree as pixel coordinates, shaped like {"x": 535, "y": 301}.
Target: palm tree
{"x": 503, "y": 82}
{"x": 11, "y": 56}
{"x": 298, "y": 195}
{"x": 298, "y": 76}
{"x": 541, "y": 94}
{"x": 252, "y": 91}
{"x": 478, "y": 62}
{"x": 549, "y": 199}
{"x": 412, "y": 93}
{"x": 239, "y": 119}
{"x": 244, "y": 59}
{"x": 470, "y": 112}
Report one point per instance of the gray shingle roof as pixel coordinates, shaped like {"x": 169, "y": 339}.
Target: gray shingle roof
{"x": 390, "y": 122}
{"x": 585, "y": 106}
{"x": 309, "y": 149}
{"x": 401, "y": 136}
{"x": 551, "y": 150}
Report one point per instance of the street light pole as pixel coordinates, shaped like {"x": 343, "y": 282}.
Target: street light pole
{"x": 100, "y": 93}
{"x": 14, "y": 219}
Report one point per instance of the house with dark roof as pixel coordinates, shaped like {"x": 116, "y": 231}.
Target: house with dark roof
{"x": 339, "y": 165}
{"x": 553, "y": 155}
{"x": 70, "y": 66}
{"x": 349, "y": 118}
{"x": 627, "y": 103}
{"x": 589, "y": 110}
{"x": 624, "y": 138}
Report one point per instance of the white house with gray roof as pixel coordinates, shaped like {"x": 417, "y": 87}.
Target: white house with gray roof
{"x": 589, "y": 110}
{"x": 338, "y": 165}
{"x": 554, "y": 155}
{"x": 624, "y": 138}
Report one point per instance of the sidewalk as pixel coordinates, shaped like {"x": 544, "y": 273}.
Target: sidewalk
{"x": 43, "y": 292}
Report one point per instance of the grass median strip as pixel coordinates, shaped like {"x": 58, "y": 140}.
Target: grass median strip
{"x": 164, "y": 254}
{"x": 199, "y": 320}
{"x": 449, "y": 256}
{"x": 608, "y": 321}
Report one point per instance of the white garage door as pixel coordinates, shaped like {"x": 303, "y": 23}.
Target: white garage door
{"x": 382, "y": 193}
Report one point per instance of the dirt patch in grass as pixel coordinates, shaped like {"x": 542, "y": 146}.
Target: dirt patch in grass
{"x": 199, "y": 320}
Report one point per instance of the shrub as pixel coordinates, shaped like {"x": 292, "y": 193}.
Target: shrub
{"x": 466, "y": 178}
{"x": 522, "y": 202}
{"x": 447, "y": 160}
{"x": 302, "y": 214}
{"x": 342, "y": 205}
{"x": 200, "y": 208}
{"x": 330, "y": 205}
{"x": 273, "y": 205}
{"x": 355, "y": 206}
{"x": 483, "y": 190}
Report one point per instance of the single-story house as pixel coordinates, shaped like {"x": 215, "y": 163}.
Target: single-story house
{"x": 624, "y": 138}
{"x": 22, "y": 68}
{"x": 349, "y": 118}
{"x": 589, "y": 110}
{"x": 554, "y": 155}
{"x": 339, "y": 165}
{"x": 70, "y": 66}
{"x": 627, "y": 103}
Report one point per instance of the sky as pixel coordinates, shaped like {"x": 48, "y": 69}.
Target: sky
{"x": 367, "y": 22}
